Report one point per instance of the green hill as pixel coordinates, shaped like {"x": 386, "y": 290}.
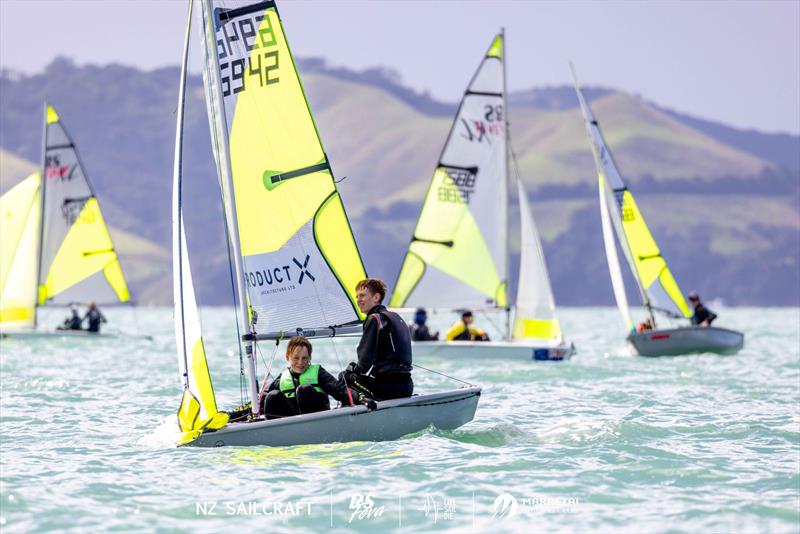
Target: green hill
{"x": 727, "y": 217}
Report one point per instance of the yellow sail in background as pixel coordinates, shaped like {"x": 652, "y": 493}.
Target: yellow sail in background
{"x": 19, "y": 237}
{"x": 656, "y": 283}
{"x": 78, "y": 260}
{"x": 458, "y": 256}
{"x": 87, "y": 250}
{"x": 651, "y": 268}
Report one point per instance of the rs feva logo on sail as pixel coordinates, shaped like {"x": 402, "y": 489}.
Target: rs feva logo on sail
{"x": 281, "y": 274}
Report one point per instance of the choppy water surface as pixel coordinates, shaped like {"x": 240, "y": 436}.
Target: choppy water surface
{"x": 605, "y": 441}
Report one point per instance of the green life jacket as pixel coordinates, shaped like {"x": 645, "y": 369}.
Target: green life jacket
{"x": 310, "y": 376}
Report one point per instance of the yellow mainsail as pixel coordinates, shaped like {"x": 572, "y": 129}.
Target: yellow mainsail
{"x": 300, "y": 259}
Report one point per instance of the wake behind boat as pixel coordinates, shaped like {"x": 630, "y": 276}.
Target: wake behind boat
{"x": 620, "y": 217}
{"x": 459, "y": 252}
{"x": 295, "y": 259}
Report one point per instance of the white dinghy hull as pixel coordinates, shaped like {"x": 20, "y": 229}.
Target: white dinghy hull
{"x": 504, "y": 350}
{"x": 687, "y": 340}
{"x": 50, "y": 334}
{"x": 391, "y": 420}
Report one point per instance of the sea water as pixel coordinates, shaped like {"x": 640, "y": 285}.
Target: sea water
{"x": 606, "y": 441}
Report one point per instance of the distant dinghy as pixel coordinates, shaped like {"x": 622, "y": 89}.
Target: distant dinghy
{"x": 56, "y": 246}
{"x": 459, "y": 252}
{"x": 620, "y": 217}
{"x": 288, "y": 227}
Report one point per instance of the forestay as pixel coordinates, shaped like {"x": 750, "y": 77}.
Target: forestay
{"x": 457, "y": 256}
{"x": 78, "y": 262}
{"x": 19, "y": 236}
{"x": 535, "y": 313}
{"x": 299, "y": 258}
{"x": 660, "y": 291}
{"x": 198, "y": 408}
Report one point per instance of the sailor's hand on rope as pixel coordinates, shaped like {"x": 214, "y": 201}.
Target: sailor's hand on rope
{"x": 369, "y": 403}
{"x": 352, "y": 367}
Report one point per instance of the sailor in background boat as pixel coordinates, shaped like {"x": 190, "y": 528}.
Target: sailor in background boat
{"x": 73, "y": 322}
{"x": 302, "y": 387}
{"x": 463, "y": 331}
{"x": 702, "y": 316}
{"x": 94, "y": 318}
{"x": 419, "y": 330}
{"x": 383, "y": 370}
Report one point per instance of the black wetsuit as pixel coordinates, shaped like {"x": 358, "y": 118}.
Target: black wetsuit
{"x": 383, "y": 370}
{"x": 701, "y": 313}
{"x": 420, "y": 332}
{"x": 95, "y": 318}
{"x": 72, "y": 323}
{"x": 307, "y": 399}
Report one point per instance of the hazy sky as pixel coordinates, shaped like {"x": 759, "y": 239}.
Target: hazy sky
{"x": 737, "y": 62}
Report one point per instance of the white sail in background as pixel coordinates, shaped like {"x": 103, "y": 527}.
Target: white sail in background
{"x": 535, "y": 313}
{"x": 458, "y": 252}
{"x": 612, "y": 258}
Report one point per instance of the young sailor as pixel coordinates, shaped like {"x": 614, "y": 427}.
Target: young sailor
{"x": 94, "y": 317}
{"x": 73, "y": 322}
{"x": 463, "y": 331}
{"x": 383, "y": 370}
{"x": 303, "y": 387}
{"x": 420, "y": 330}
{"x": 702, "y": 316}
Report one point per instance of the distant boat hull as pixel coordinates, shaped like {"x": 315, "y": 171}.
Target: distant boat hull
{"x": 492, "y": 350}
{"x": 690, "y": 340}
{"x": 68, "y": 334}
{"x": 391, "y": 420}
{"x": 33, "y": 334}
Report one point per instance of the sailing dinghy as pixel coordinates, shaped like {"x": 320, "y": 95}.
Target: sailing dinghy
{"x": 658, "y": 289}
{"x": 458, "y": 257}
{"x": 56, "y": 249}
{"x": 294, "y": 255}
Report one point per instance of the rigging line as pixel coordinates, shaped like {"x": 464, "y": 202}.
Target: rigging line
{"x": 439, "y": 373}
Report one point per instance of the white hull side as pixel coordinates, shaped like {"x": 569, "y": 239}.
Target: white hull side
{"x": 494, "y": 350}
{"x": 391, "y": 420}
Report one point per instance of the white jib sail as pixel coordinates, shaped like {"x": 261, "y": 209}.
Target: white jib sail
{"x": 535, "y": 314}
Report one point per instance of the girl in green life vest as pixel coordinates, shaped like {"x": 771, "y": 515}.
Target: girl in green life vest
{"x": 303, "y": 387}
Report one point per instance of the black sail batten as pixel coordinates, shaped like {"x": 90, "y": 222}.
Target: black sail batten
{"x": 277, "y": 178}
{"x": 482, "y": 93}
{"x": 433, "y": 241}
{"x": 221, "y": 16}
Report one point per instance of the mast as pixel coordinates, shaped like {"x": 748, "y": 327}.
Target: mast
{"x": 229, "y": 201}
{"x": 508, "y": 190}
{"x": 42, "y": 181}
